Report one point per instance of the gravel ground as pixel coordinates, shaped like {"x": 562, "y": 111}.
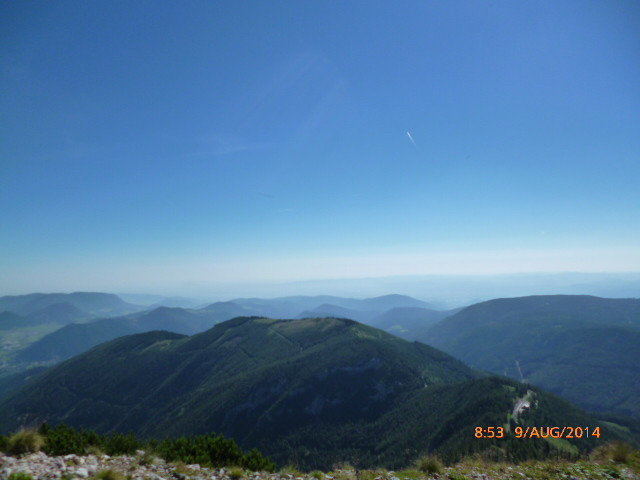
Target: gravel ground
{"x": 144, "y": 467}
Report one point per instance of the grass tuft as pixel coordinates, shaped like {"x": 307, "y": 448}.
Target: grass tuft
{"x": 618, "y": 452}
{"x": 291, "y": 470}
{"x": 25, "y": 441}
{"x": 93, "y": 450}
{"x": 147, "y": 459}
{"x": 430, "y": 464}
{"x": 108, "y": 475}
{"x": 20, "y": 476}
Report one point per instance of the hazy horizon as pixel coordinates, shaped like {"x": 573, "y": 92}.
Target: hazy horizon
{"x": 216, "y": 145}
{"x": 442, "y": 291}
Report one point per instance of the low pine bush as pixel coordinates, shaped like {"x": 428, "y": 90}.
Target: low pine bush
{"x": 207, "y": 450}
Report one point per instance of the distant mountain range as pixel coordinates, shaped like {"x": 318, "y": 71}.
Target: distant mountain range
{"x": 585, "y": 349}
{"x": 61, "y": 308}
{"x": 73, "y": 339}
{"x": 97, "y": 304}
{"x": 310, "y": 392}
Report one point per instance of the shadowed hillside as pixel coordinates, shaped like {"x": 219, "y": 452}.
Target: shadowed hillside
{"x": 586, "y": 349}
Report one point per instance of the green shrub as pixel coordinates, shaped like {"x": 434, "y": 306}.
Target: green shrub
{"x": 429, "y": 464}
{"x": 212, "y": 450}
{"x": 620, "y": 452}
{"x": 119, "y": 444}
{"x": 236, "y": 473}
{"x": 208, "y": 450}
{"x": 20, "y": 476}
{"x": 25, "y": 441}
{"x": 108, "y": 475}
{"x": 317, "y": 474}
{"x": 256, "y": 462}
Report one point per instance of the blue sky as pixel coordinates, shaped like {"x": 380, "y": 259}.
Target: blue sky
{"x": 151, "y": 146}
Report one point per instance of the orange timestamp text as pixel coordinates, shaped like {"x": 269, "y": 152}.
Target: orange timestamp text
{"x": 539, "y": 432}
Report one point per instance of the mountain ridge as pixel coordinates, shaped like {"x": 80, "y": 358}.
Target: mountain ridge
{"x": 315, "y": 390}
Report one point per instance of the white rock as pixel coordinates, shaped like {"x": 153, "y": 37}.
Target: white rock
{"x": 82, "y": 472}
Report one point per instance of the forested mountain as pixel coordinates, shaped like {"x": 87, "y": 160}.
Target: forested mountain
{"x": 586, "y": 349}
{"x": 63, "y": 313}
{"x": 312, "y": 392}
{"x": 73, "y": 339}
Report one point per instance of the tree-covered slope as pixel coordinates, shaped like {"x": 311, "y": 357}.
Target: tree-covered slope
{"x": 586, "y": 349}
{"x": 73, "y": 339}
{"x": 62, "y": 313}
{"x": 409, "y": 323}
{"x": 313, "y": 391}
{"x": 10, "y": 321}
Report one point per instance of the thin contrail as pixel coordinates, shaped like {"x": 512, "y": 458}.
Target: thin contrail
{"x": 411, "y": 138}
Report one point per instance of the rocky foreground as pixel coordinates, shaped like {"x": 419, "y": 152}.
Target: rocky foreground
{"x": 39, "y": 466}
